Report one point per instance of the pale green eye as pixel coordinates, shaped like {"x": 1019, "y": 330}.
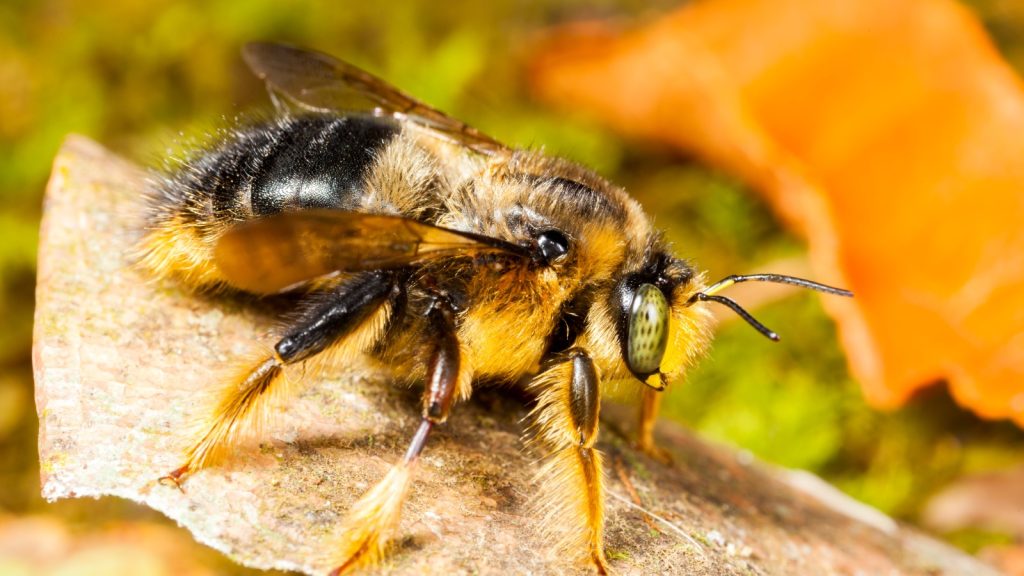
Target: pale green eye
{"x": 648, "y": 330}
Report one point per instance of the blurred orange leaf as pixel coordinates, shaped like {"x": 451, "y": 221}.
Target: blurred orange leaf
{"x": 890, "y": 133}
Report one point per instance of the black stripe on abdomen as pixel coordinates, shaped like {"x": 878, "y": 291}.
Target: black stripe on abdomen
{"x": 317, "y": 162}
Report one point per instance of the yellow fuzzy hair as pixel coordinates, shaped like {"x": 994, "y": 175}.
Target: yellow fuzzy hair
{"x": 365, "y": 532}
{"x": 571, "y": 478}
{"x": 571, "y": 502}
{"x": 243, "y": 407}
{"x": 176, "y": 249}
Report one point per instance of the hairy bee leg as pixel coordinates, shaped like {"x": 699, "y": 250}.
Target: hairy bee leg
{"x": 649, "y": 406}
{"x": 376, "y": 514}
{"x": 344, "y": 314}
{"x": 236, "y": 404}
{"x": 567, "y": 413}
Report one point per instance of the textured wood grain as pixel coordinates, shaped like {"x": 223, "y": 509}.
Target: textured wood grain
{"x": 123, "y": 364}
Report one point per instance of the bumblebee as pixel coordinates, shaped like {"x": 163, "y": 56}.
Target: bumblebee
{"x": 419, "y": 240}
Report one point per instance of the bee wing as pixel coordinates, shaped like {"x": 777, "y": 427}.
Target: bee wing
{"x": 271, "y": 254}
{"x": 317, "y": 82}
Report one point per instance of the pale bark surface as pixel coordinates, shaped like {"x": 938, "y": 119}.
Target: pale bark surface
{"x": 124, "y": 364}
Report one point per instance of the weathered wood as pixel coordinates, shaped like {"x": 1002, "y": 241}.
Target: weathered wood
{"x": 123, "y": 365}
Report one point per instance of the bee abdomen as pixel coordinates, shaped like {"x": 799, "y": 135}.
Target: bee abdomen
{"x": 317, "y": 162}
{"x": 295, "y": 163}
{"x": 307, "y": 162}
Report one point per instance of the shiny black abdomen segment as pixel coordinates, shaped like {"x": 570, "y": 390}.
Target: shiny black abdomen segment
{"x": 260, "y": 168}
{"x": 316, "y": 162}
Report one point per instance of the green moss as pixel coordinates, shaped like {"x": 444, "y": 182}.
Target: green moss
{"x": 973, "y": 540}
{"x": 617, "y": 554}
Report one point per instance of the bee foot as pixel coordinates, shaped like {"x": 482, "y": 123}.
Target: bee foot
{"x": 369, "y": 553}
{"x": 176, "y": 478}
{"x": 655, "y": 452}
{"x": 601, "y": 563}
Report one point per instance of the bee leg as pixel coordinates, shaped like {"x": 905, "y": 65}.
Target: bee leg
{"x": 649, "y": 406}
{"x": 572, "y": 478}
{"x": 367, "y": 525}
{"x": 351, "y": 317}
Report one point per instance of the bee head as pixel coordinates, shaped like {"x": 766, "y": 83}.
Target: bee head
{"x": 661, "y": 322}
{"x": 659, "y": 330}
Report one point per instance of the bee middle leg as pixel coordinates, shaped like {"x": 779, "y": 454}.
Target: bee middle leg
{"x": 364, "y": 534}
{"x": 352, "y": 317}
{"x": 572, "y": 478}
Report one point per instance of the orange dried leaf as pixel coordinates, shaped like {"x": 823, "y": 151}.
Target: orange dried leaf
{"x": 888, "y": 132}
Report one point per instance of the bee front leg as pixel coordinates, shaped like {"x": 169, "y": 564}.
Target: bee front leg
{"x": 350, "y": 318}
{"x": 649, "y": 406}
{"x": 366, "y": 528}
{"x": 572, "y": 478}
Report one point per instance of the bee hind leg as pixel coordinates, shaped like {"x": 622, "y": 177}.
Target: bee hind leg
{"x": 572, "y": 477}
{"x": 237, "y": 411}
{"x": 365, "y": 531}
{"x": 352, "y": 316}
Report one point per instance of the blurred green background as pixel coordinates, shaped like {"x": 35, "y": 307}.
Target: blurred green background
{"x": 138, "y": 75}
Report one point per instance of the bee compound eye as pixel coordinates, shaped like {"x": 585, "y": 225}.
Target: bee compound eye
{"x": 553, "y": 245}
{"x": 648, "y": 330}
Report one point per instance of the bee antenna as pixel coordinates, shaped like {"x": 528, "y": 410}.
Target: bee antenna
{"x": 777, "y": 279}
{"x": 735, "y": 307}
{"x": 709, "y": 294}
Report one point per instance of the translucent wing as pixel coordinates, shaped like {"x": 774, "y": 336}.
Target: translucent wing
{"x": 318, "y": 82}
{"x": 271, "y": 254}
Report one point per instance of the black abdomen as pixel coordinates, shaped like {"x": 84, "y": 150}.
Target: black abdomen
{"x": 290, "y": 164}
{"x": 319, "y": 162}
